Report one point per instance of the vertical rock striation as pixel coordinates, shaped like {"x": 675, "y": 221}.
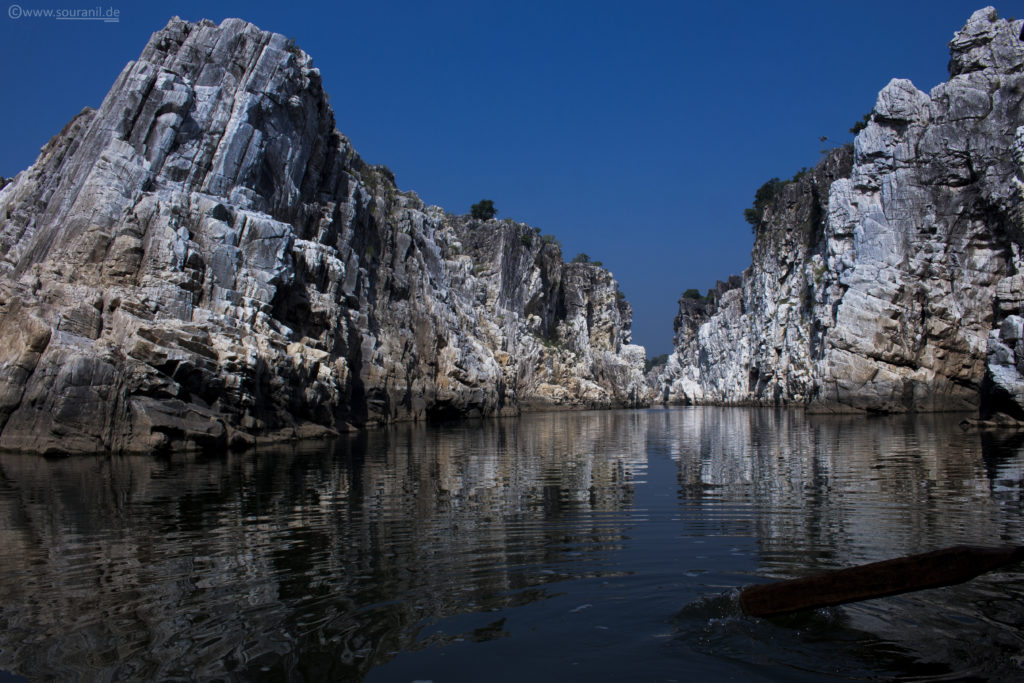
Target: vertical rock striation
{"x": 877, "y": 276}
{"x": 206, "y": 261}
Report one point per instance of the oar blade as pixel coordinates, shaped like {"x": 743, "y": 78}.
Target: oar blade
{"x": 876, "y": 580}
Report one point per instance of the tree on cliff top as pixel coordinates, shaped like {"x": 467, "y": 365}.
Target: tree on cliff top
{"x": 762, "y": 198}
{"x": 862, "y": 124}
{"x": 483, "y": 210}
{"x": 652, "y": 363}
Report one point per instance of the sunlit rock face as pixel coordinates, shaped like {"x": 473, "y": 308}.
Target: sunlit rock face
{"x": 206, "y": 261}
{"x": 877, "y": 276}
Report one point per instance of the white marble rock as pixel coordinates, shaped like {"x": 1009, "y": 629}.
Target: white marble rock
{"x": 205, "y": 261}
{"x": 877, "y": 276}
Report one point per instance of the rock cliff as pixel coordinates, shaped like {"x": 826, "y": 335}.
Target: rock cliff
{"x": 877, "y": 276}
{"x": 206, "y": 261}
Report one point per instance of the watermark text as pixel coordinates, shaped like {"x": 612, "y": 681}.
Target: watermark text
{"x": 107, "y": 15}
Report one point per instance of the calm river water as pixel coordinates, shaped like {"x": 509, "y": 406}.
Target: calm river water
{"x": 596, "y": 546}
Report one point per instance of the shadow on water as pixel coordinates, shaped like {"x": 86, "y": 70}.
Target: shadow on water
{"x": 582, "y": 545}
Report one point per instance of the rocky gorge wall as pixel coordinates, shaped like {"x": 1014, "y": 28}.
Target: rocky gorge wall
{"x": 206, "y": 261}
{"x": 887, "y": 277}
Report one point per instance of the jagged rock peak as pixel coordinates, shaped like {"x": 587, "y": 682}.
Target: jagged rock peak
{"x": 987, "y": 42}
{"x": 205, "y": 261}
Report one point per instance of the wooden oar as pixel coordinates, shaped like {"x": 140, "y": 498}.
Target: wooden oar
{"x": 876, "y": 580}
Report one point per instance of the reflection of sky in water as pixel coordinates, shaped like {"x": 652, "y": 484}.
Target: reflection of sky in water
{"x": 567, "y": 538}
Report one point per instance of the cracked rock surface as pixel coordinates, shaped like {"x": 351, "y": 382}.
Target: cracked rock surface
{"x": 205, "y": 261}
{"x": 887, "y": 277}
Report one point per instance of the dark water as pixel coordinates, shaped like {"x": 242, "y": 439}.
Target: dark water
{"x": 557, "y": 547}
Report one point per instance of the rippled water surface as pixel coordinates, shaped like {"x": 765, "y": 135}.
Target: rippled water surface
{"x": 555, "y": 547}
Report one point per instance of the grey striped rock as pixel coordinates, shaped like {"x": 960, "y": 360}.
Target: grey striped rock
{"x": 205, "y": 261}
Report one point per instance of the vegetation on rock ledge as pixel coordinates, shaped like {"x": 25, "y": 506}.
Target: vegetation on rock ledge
{"x": 862, "y": 124}
{"x": 582, "y": 257}
{"x": 762, "y": 198}
{"x": 654, "y": 362}
{"x": 483, "y": 210}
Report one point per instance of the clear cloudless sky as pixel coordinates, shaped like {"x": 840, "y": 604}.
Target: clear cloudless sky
{"x": 636, "y": 132}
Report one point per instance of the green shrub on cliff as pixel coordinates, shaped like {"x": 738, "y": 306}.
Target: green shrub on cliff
{"x": 762, "y": 198}
{"x": 651, "y": 363}
{"x": 483, "y": 210}
{"x": 862, "y": 124}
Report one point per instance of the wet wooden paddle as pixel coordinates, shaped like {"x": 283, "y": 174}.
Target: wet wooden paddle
{"x": 876, "y": 580}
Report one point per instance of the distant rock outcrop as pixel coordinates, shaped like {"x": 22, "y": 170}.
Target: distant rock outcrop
{"x": 877, "y": 275}
{"x": 206, "y": 261}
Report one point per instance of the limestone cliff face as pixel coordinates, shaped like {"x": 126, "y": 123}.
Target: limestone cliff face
{"x": 206, "y": 261}
{"x": 877, "y": 276}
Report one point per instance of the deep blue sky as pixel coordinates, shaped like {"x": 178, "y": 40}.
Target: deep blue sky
{"x": 636, "y": 131}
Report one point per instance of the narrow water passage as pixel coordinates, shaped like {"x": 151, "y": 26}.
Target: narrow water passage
{"x": 563, "y": 546}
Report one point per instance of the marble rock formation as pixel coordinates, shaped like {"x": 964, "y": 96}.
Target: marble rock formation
{"x": 886, "y": 278}
{"x": 205, "y": 261}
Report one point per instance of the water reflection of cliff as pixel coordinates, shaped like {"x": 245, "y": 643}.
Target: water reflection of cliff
{"x": 835, "y": 490}
{"x": 821, "y": 492}
{"x": 314, "y": 563}
{"x": 321, "y": 563}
